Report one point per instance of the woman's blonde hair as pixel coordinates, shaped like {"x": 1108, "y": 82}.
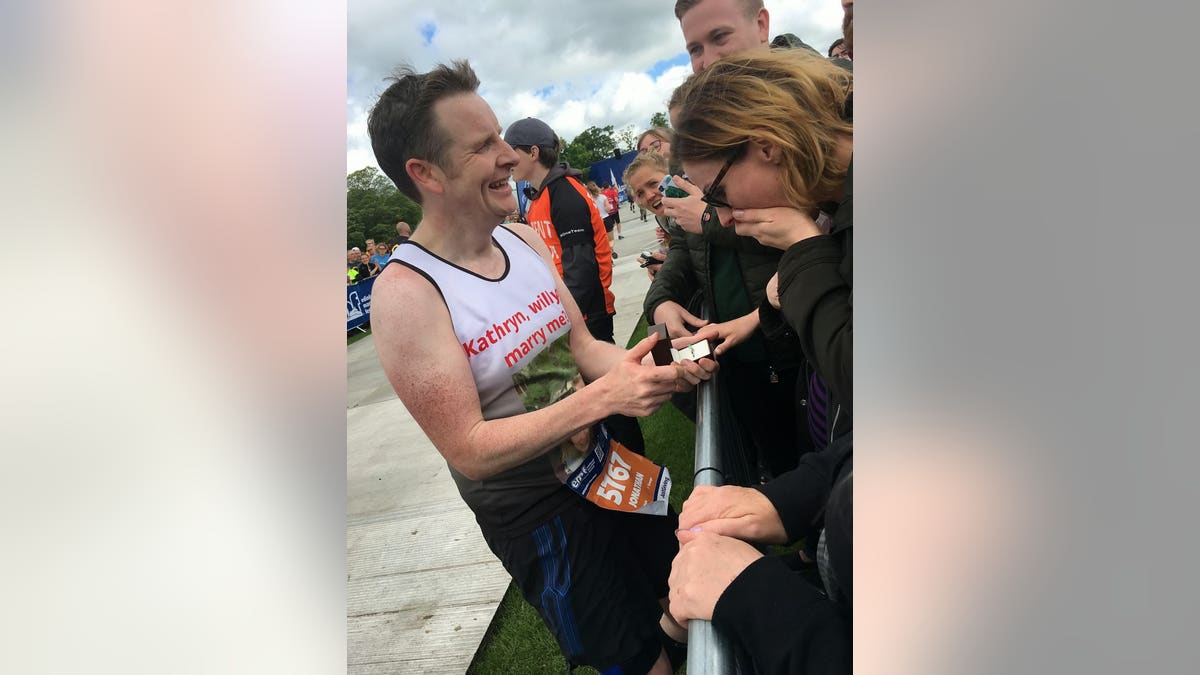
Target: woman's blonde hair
{"x": 792, "y": 98}
{"x": 645, "y": 159}
{"x": 592, "y": 187}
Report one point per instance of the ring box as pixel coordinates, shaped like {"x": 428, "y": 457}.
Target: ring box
{"x": 662, "y": 349}
{"x": 695, "y": 352}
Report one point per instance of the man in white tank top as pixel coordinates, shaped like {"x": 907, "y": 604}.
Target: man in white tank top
{"x": 490, "y": 354}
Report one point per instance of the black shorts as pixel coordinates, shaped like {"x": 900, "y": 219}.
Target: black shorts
{"x": 609, "y": 223}
{"x": 595, "y": 577}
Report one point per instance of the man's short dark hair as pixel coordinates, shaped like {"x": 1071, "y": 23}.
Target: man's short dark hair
{"x": 547, "y": 155}
{"x": 682, "y": 7}
{"x": 401, "y": 124}
{"x": 836, "y": 43}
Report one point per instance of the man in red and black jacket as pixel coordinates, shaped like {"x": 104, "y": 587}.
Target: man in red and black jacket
{"x": 562, "y": 212}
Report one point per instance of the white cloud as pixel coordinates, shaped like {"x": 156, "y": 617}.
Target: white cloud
{"x": 593, "y": 59}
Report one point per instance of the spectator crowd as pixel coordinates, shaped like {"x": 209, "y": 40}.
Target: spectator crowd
{"x": 367, "y": 262}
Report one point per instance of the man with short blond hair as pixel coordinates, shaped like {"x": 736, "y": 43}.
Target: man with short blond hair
{"x": 716, "y": 28}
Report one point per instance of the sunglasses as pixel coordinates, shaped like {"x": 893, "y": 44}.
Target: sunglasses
{"x": 652, "y": 145}
{"x": 710, "y": 197}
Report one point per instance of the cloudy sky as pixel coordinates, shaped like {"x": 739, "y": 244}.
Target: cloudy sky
{"x": 572, "y": 64}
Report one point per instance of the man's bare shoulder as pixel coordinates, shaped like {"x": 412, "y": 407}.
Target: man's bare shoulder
{"x": 530, "y": 236}
{"x": 401, "y": 285}
{"x": 412, "y": 328}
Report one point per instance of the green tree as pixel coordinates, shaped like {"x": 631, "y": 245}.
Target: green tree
{"x": 659, "y": 119}
{"x": 384, "y": 232}
{"x": 374, "y": 205}
{"x": 591, "y": 145}
{"x": 368, "y": 178}
{"x": 628, "y": 138}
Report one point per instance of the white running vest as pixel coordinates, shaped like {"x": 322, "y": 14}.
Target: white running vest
{"x": 515, "y": 335}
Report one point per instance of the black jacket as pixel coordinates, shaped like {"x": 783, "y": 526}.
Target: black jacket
{"x": 785, "y": 623}
{"x": 816, "y": 296}
{"x": 586, "y": 272}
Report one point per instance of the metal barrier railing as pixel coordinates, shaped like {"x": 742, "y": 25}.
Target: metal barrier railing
{"x": 709, "y": 652}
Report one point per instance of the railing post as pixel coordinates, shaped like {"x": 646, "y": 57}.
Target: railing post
{"x": 709, "y": 652}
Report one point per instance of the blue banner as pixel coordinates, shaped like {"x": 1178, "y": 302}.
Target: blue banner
{"x": 610, "y": 170}
{"x": 358, "y": 303}
{"x": 522, "y": 200}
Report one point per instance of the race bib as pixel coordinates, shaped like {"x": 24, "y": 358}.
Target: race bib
{"x": 617, "y": 478}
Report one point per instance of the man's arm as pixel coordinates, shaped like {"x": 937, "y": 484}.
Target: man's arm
{"x": 425, "y": 364}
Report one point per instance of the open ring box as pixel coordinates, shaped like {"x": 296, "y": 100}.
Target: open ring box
{"x": 664, "y": 354}
{"x": 695, "y": 352}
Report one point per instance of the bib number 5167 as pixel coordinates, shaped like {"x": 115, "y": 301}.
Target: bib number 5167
{"x": 613, "y": 486}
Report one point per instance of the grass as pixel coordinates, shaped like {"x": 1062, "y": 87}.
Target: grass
{"x": 518, "y": 641}
{"x": 354, "y": 335}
